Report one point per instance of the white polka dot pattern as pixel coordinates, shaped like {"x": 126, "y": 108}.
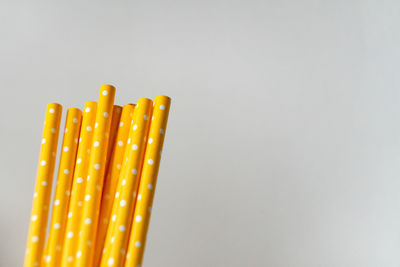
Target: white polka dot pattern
{"x": 128, "y": 184}
{"x": 82, "y": 231}
{"x": 64, "y": 183}
{"x": 38, "y": 224}
{"x": 97, "y": 166}
{"x": 148, "y": 181}
{"x": 78, "y": 186}
{"x": 121, "y": 116}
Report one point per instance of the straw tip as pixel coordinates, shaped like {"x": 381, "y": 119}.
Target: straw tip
{"x": 144, "y": 100}
{"x": 163, "y": 97}
{"x": 54, "y": 105}
{"x": 74, "y": 111}
{"x": 129, "y": 107}
{"x": 107, "y": 88}
{"x": 90, "y": 104}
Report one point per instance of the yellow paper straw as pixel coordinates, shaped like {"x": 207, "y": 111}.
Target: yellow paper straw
{"x": 94, "y": 186}
{"x": 148, "y": 181}
{"x": 78, "y": 186}
{"x": 111, "y": 180}
{"x": 123, "y": 206}
{"x": 63, "y": 190}
{"x": 44, "y": 180}
{"x": 118, "y": 187}
{"x": 115, "y": 118}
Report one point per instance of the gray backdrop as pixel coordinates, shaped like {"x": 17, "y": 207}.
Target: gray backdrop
{"x": 283, "y": 145}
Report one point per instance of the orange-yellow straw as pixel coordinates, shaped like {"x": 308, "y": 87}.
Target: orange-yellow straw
{"x": 148, "y": 181}
{"x": 115, "y": 119}
{"x": 44, "y": 180}
{"x": 94, "y": 186}
{"x": 55, "y": 240}
{"x": 78, "y": 186}
{"x": 123, "y": 206}
{"x": 111, "y": 180}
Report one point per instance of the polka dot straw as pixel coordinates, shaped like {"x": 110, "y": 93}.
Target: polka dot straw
{"x": 78, "y": 186}
{"x": 148, "y": 181}
{"x": 106, "y": 180}
{"x": 55, "y": 240}
{"x": 115, "y": 120}
{"x": 112, "y": 176}
{"x": 123, "y": 206}
{"x": 41, "y": 197}
{"x": 94, "y": 185}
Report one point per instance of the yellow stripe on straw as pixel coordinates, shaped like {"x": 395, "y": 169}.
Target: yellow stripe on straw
{"x": 148, "y": 181}
{"x": 63, "y": 189}
{"x": 94, "y": 186}
{"x": 123, "y": 206}
{"x": 111, "y": 180}
{"x": 79, "y": 183}
{"x": 44, "y": 180}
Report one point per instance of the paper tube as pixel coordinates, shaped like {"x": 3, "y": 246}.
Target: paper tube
{"x": 94, "y": 186}
{"x": 123, "y": 206}
{"x": 53, "y": 251}
{"x": 79, "y": 183}
{"x": 44, "y": 180}
{"x": 112, "y": 176}
{"x": 137, "y": 240}
{"x": 115, "y": 119}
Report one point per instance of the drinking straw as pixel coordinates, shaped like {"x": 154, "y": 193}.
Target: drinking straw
{"x": 44, "y": 180}
{"x": 115, "y": 118}
{"x": 148, "y": 181}
{"x": 111, "y": 180}
{"x": 123, "y": 206}
{"x": 63, "y": 189}
{"x": 79, "y": 183}
{"x": 94, "y": 186}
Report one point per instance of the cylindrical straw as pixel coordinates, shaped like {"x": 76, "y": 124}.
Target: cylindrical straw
{"x": 79, "y": 183}
{"x": 111, "y": 180}
{"x": 44, "y": 180}
{"x": 63, "y": 190}
{"x": 123, "y": 206}
{"x": 94, "y": 186}
{"x": 115, "y": 119}
{"x": 148, "y": 181}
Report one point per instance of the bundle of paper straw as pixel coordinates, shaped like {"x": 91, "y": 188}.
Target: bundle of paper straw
{"x": 105, "y": 184}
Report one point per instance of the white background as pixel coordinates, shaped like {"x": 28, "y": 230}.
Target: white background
{"x": 283, "y": 145}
